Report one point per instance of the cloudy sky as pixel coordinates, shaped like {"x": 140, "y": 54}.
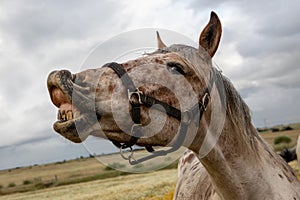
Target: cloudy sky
{"x": 259, "y": 52}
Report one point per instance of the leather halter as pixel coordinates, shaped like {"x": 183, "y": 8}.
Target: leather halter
{"x": 184, "y": 117}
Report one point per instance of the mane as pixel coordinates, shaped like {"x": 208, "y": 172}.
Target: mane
{"x": 239, "y": 113}
{"x": 236, "y": 107}
{"x": 241, "y": 116}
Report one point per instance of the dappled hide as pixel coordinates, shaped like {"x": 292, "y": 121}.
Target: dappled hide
{"x": 199, "y": 108}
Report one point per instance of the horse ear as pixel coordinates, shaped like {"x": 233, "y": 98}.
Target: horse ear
{"x": 160, "y": 43}
{"x": 211, "y": 35}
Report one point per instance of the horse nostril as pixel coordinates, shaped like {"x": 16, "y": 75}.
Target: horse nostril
{"x": 65, "y": 74}
{"x": 73, "y": 78}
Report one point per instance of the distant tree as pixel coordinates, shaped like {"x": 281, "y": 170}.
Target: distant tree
{"x": 275, "y": 130}
{"x": 287, "y": 128}
{"x": 262, "y": 129}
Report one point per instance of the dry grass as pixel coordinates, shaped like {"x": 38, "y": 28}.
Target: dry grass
{"x": 295, "y": 167}
{"x": 61, "y": 171}
{"x": 48, "y": 175}
{"x": 149, "y": 186}
{"x": 59, "y": 179}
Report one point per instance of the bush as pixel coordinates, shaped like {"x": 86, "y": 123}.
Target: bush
{"x": 26, "y": 182}
{"x": 11, "y": 185}
{"x": 287, "y": 128}
{"x": 282, "y": 139}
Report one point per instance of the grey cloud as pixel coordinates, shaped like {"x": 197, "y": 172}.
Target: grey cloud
{"x": 260, "y": 45}
{"x": 266, "y": 36}
{"x": 39, "y": 151}
{"x": 274, "y": 104}
{"x": 31, "y": 141}
{"x": 39, "y": 36}
{"x": 35, "y": 37}
{"x": 259, "y": 28}
{"x": 273, "y": 18}
{"x": 39, "y": 23}
{"x": 14, "y": 84}
{"x": 201, "y": 5}
{"x": 50, "y": 149}
{"x": 4, "y": 117}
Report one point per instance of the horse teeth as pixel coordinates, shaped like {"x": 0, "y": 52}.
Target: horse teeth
{"x": 58, "y": 115}
{"x": 63, "y": 116}
{"x": 69, "y": 115}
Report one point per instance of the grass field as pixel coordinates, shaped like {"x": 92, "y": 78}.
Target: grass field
{"x": 154, "y": 185}
{"x": 85, "y": 179}
{"x": 89, "y": 179}
{"x": 269, "y": 136}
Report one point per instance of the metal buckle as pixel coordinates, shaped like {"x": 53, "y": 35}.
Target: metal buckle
{"x": 204, "y": 99}
{"x": 136, "y": 92}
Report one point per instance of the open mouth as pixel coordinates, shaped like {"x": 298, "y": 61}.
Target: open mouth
{"x": 65, "y": 118}
{"x": 68, "y": 117}
{"x": 72, "y": 121}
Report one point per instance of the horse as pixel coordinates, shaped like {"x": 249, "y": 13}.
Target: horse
{"x": 198, "y": 108}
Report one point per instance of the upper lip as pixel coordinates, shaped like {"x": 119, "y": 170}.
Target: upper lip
{"x": 60, "y": 81}
{"x": 65, "y": 83}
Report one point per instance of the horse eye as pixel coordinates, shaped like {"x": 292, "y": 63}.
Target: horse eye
{"x": 175, "y": 68}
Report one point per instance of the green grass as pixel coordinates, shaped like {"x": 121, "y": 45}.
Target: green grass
{"x": 282, "y": 139}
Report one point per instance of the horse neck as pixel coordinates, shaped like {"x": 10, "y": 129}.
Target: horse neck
{"x": 241, "y": 164}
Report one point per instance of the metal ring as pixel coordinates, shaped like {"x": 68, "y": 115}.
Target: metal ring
{"x": 124, "y": 157}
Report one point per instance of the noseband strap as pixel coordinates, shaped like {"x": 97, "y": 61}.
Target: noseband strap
{"x": 141, "y": 99}
{"x": 136, "y": 109}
